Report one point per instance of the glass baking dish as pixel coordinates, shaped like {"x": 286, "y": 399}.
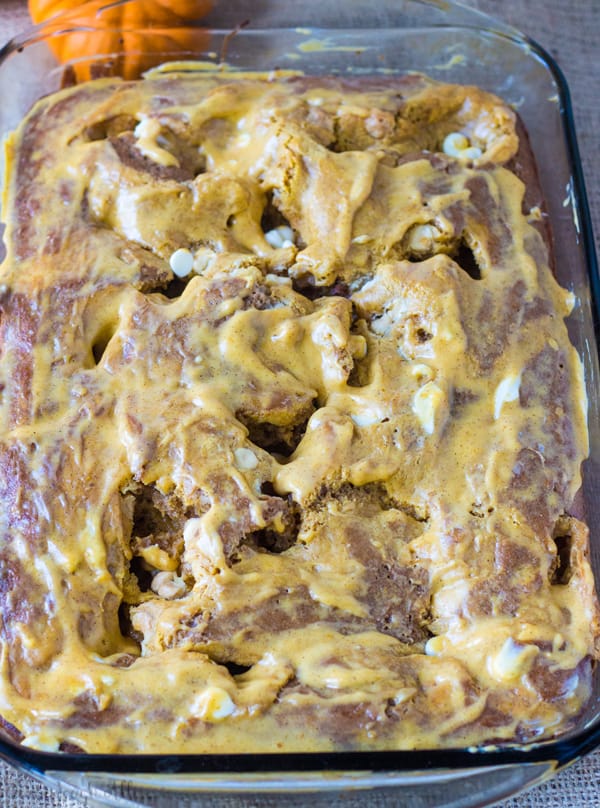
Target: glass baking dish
{"x": 450, "y": 43}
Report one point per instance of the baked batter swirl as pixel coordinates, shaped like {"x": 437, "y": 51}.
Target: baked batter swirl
{"x": 291, "y": 423}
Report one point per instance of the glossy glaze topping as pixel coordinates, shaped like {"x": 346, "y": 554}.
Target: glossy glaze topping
{"x": 292, "y": 427}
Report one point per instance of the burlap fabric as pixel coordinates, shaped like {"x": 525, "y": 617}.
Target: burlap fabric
{"x": 570, "y": 31}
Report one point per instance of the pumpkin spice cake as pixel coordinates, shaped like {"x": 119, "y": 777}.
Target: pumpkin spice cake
{"x": 291, "y": 424}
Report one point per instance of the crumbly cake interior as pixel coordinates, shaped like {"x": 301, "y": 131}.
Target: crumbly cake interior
{"x": 291, "y": 423}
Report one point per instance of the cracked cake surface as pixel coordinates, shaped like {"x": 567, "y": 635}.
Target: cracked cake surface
{"x": 292, "y": 427}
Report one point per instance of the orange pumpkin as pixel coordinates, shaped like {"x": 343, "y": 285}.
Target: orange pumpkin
{"x": 122, "y": 38}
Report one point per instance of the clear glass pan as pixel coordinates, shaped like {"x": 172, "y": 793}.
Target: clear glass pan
{"x": 450, "y": 43}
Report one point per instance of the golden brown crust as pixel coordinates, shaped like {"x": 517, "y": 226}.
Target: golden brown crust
{"x": 313, "y": 494}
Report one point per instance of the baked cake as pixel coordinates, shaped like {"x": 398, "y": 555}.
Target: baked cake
{"x": 292, "y": 427}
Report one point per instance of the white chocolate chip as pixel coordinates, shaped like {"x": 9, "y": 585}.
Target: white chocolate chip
{"x": 570, "y": 301}
{"x": 421, "y": 372}
{"x": 203, "y": 542}
{"x": 279, "y": 237}
{"x": 328, "y": 331}
{"x": 281, "y": 280}
{"x": 472, "y": 153}
{"x": 457, "y": 145}
{"x": 507, "y": 390}
{"x": 213, "y": 704}
{"x": 191, "y": 529}
{"x": 435, "y": 646}
{"x": 512, "y": 660}
{"x": 422, "y": 237}
{"x": 167, "y": 585}
{"x": 426, "y": 402}
{"x": 245, "y": 459}
{"x": 203, "y": 260}
{"x": 181, "y": 262}
{"x": 368, "y": 417}
{"x": 454, "y": 143}
{"x": 39, "y": 742}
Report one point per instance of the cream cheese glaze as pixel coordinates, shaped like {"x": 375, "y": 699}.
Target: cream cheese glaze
{"x": 292, "y": 426}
